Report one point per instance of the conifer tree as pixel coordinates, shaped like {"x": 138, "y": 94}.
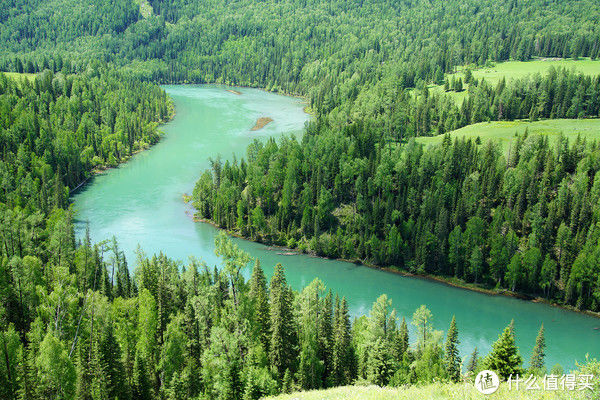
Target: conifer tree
{"x": 260, "y": 305}
{"x": 451, "y": 357}
{"x": 380, "y": 366}
{"x": 283, "y": 343}
{"x": 84, "y": 372}
{"x": 378, "y": 349}
{"x": 401, "y": 340}
{"x": 505, "y": 359}
{"x": 342, "y": 362}
{"x": 141, "y": 383}
{"x": 326, "y": 335}
{"x": 310, "y": 367}
{"x": 287, "y": 383}
{"x": 538, "y": 354}
{"x": 99, "y": 385}
{"x": 473, "y": 361}
{"x": 110, "y": 355}
{"x": 311, "y": 358}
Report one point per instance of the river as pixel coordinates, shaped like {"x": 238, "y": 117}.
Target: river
{"x": 141, "y": 202}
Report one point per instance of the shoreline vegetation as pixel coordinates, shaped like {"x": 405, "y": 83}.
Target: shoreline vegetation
{"x": 261, "y": 123}
{"x": 77, "y": 320}
{"x": 449, "y": 281}
{"x": 420, "y": 235}
{"x": 101, "y": 169}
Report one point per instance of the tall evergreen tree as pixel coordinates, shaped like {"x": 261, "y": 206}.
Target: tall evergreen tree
{"x": 473, "y": 361}
{"x": 342, "y": 352}
{"x": 283, "y": 343}
{"x": 451, "y": 357}
{"x": 260, "y": 305}
{"x": 380, "y": 365}
{"x": 538, "y": 354}
{"x": 504, "y": 358}
{"x": 326, "y": 335}
{"x": 110, "y": 355}
{"x": 141, "y": 383}
{"x": 402, "y": 340}
{"x": 378, "y": 348}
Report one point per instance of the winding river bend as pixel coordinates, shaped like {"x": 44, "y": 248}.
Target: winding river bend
{"x": 141, "y": 203}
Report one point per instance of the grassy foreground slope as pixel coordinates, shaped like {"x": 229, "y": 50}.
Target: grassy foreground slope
{"x": 504, "y": 131}
{"x": 436, "y": 391}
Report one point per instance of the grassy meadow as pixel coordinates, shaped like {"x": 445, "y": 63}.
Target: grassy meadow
{"x": 516, "y": 70}
{"x": 504, "y": 131}
{"x": 436, "y": 391}
{"x": 18, "y": 76}
{"x": 521, "y": 69}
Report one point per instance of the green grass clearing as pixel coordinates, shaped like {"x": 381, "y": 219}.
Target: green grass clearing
{"x": 516, "y": 70}
{"x": 504, "y": 131}
{"x": 436, "y": 391}
{"x": 16, "y": 75}
{"x": 145, "y": 8}
{"x": 521, "y": 69}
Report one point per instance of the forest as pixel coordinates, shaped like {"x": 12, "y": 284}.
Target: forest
{"x": 55, "y": 130}
{"x": 173, "y": 331}
{"x": 526, "y": 221}
{"x": 309, "y": 47}
{"x": 81, "y": 94}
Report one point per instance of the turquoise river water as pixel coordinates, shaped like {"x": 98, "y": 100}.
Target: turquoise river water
{"x": 141, "y": 203}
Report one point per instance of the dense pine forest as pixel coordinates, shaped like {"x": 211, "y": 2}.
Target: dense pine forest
{"x": 356, "y": 187}
{"x": 525, "y": 221}
{"x": 324, "y": 49}
{"x": 84, "y": 328}
{"x": 80, "y": 94}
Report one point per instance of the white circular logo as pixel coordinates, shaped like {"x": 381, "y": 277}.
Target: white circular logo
{"x": 487, "y": 382}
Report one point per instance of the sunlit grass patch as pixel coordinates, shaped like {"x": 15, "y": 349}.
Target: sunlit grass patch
{"x": 504, "y": 131}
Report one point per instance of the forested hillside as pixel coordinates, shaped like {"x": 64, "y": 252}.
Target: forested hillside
{"x": 308, "y": 47}
{"x": 74, "y": 323}
{"x": 526, "y": 221}
{"x": 354, "y": 61}
{"x": 55, "y": 130}
{"x": 86, "y": 329}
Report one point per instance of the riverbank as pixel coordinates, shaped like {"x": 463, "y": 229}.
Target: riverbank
{"x": 231, "y": 89}
{"x": 448, "y": 281}
{"x": 102, "y": 168}
{"x": 152, "y": 215}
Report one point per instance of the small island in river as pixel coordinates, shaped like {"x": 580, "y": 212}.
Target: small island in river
{"x": 261, "y": 123}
